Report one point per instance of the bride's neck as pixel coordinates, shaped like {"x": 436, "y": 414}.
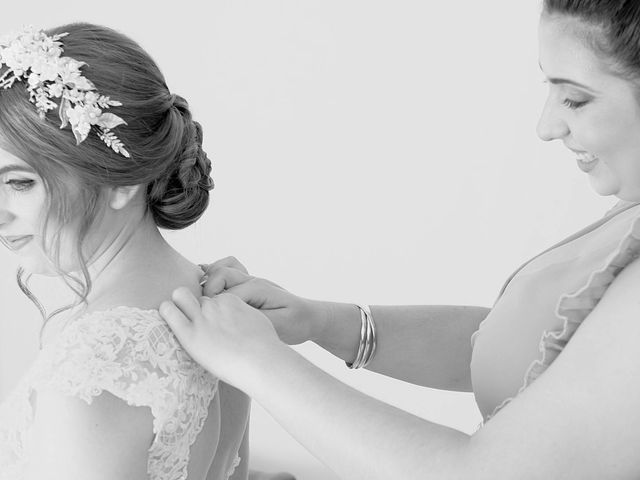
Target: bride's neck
{"x": 137, "y": 251}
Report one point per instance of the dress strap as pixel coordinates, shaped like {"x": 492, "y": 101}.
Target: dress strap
{"x": 612, "y": 213}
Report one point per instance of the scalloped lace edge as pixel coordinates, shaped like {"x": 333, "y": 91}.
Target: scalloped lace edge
{"x": 233, "y": 466}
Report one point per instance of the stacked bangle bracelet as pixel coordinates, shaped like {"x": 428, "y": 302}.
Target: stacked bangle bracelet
{"x": 367, "y": 346}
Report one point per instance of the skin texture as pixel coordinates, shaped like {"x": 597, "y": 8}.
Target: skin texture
{"x": 580, "y": 418}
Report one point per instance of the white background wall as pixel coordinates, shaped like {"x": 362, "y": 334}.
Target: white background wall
{"x": 364, "y": 150}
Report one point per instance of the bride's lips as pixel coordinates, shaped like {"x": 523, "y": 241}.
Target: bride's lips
{"x": 16, "y": 242}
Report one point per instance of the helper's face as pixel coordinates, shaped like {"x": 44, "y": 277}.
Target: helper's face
{"x": 594, "y": 112}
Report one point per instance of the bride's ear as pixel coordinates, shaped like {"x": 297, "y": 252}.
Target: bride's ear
{"x": 119, "y": 197}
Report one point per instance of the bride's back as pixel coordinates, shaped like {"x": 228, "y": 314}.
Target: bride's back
{"x": 153, "y": 270}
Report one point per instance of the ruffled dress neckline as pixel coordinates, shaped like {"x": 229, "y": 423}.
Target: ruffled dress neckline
{"x": 567, "y": 280}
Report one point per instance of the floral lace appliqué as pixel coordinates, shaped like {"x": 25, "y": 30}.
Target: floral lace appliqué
{"x": 233, "y": 466}
{"x": 132, "y": 354}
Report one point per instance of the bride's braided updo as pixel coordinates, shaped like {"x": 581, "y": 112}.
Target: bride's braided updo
{"x": 178, "y": 199}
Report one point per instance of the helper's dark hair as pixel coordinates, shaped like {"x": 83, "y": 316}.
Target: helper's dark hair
{"x": 164, "y": 141}
{"x": 616, "y": 33}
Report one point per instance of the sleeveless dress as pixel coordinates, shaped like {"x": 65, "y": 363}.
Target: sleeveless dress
{"x": 543, "y": 304}
{"x": 132, "y": 354}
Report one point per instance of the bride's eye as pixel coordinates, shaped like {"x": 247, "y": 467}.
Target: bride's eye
{"x": 20, "y": 185}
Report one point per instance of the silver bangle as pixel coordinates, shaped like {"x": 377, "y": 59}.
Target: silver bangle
{"x": 363, "y": 333}
{"x": 368, "y": 341}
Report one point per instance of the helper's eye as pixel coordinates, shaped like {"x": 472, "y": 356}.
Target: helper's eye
{"x": 573, "y": 104}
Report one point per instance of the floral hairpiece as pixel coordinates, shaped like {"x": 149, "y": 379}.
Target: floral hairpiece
{"x": 34, "y": 56}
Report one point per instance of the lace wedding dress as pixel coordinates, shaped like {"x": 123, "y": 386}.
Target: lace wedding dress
{"x": 132, "y": 354}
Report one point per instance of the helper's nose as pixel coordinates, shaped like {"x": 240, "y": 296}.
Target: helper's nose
{"x": 551, "y": 125}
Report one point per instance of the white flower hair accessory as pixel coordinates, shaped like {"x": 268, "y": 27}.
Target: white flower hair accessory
{"x": 33, "y": 56}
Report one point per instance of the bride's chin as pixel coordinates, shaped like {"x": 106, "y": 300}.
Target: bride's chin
{"x": 38, "y": 268}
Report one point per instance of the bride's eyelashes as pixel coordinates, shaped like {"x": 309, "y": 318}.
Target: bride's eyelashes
{"x": 20, "y": 185}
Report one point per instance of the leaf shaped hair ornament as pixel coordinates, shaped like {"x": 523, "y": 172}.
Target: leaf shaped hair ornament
{"x": 33, "y": 56}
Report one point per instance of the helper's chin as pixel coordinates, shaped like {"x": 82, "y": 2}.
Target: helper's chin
{"x": 606, "y": 187}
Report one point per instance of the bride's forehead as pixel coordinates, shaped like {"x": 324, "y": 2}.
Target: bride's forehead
{"x": 8, "y": 158}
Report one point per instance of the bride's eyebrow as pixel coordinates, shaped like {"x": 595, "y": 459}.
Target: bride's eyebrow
{"x": 16, "y": 168}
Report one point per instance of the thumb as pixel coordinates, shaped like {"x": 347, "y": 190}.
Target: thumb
{"x": 174, "y": 317}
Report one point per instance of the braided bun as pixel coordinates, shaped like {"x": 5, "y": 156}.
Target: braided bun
{"x": 178, "y": 198}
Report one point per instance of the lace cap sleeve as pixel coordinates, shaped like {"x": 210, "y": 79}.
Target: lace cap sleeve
{"x": 133, "y": 355}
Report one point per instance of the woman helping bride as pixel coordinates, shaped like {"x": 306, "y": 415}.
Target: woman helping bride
{"x": 96, "y": 154}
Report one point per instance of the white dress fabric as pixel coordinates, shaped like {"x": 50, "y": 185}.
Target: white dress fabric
{"x": 132, "y": 354}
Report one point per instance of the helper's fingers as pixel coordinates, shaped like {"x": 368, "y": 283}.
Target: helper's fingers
{"x": 274, "y": 284}
{"x": 230, "y": 262}
{"x": 174, "y": 317}
{"x": 255, "y": 293}
{"x": 226, "y": 300}
{"x": 223, "y": 278}
{"x": 186, "y": 302}
{"x": 207, "y": 307}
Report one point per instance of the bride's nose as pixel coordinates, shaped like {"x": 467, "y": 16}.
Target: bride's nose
{"x": 5, "y": 215}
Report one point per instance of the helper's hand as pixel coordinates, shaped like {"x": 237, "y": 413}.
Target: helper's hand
{"x": 296, "y": 319}
{"x": 223, "y": 334}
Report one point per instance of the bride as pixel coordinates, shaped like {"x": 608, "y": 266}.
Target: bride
{"x": 95, "y": 155}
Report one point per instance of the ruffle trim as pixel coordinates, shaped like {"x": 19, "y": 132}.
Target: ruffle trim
{"x": 573, "y": 308}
